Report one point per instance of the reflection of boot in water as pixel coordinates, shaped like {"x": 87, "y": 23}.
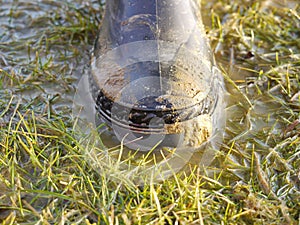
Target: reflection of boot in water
{"x": 153, "y": 74}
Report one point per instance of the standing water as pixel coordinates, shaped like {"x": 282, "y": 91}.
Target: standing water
{"x": 45, "y": 49}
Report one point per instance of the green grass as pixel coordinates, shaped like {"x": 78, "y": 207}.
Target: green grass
{"x": 45, "y": 176}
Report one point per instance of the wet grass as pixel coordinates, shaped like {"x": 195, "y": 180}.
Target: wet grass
{"x": 45, "y": 176}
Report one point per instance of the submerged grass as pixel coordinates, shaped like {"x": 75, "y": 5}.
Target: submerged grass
{"x": 45, "y": 177}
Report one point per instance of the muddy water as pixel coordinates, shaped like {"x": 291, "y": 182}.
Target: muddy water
{"x": 44, "y": 50}
{"x": 260, "y": 111}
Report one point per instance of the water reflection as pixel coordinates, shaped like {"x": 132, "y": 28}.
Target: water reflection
{"x": 38, "y": 56}
{"x": 262, "y": 107}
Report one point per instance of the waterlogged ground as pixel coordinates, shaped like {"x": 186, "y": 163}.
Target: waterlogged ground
{"x": 44, "y": 175}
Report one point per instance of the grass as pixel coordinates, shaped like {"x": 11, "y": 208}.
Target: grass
{"x": 45, "y": 177}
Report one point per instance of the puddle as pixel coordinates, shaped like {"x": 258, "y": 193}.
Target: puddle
{"x": 37, "y": 48}
{"x": 46, "y": 63}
